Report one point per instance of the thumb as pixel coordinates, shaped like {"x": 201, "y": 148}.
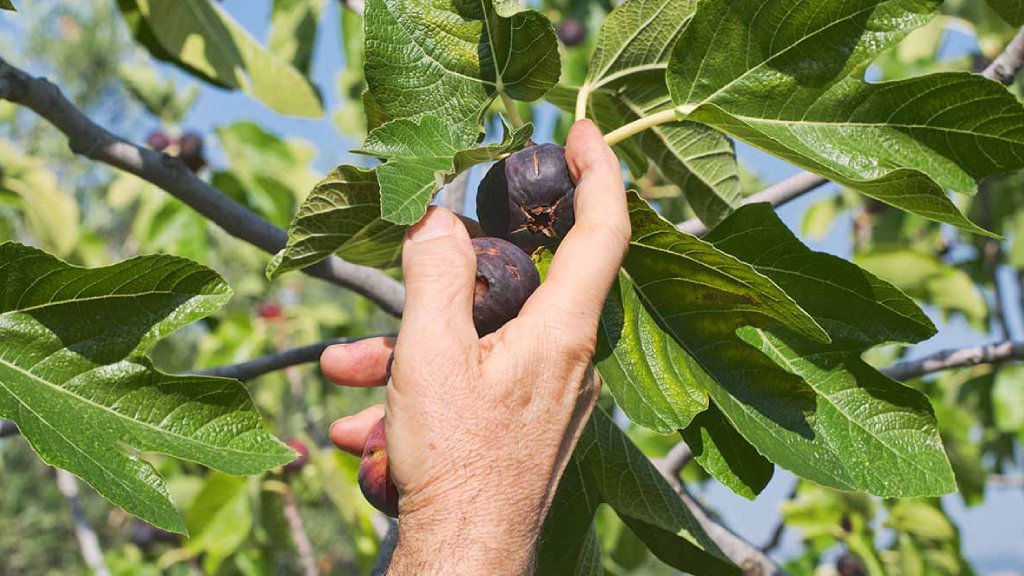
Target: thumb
{"x": 440, "y": 270}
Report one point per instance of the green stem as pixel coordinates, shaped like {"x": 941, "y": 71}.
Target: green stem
{"x": 637, "y": 126}
{"x": 581, "y": 102}
{"x": 512, "y": 111}
{"x": 866, "y": 552}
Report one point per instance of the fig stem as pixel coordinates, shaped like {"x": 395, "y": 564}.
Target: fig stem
{"x": 637, "y": 126}
{"x": 582, "y": 99}
{"x": 512, "y": 111}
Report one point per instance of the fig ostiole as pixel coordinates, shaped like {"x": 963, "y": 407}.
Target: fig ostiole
{"x": 528, "y": 198}
{"x": 374, "y": 474}
{"x": 505, "y": 278}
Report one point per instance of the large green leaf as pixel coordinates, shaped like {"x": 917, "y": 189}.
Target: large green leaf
{"x": 72, "y": 341}
{"x": 7, "y": 5}
{"x": 451, "y": 58}
{"x": 607, "y": 468}
{"x": 1010, "y": 10}
{"x": 674, "y": 279}
{"x": 422, "y": 155}
{"x": 787, "y": 76}
{"x": 629, "y": 64}
{"x": 341, "y": 216}
{"x": 823, "y": 412}
{"x": 293, "y": 25}
{"x": 206, "y": 40}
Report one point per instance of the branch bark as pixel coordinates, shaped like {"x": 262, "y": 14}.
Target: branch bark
{"x": 88, "y": 139}
{"x": 299, "y": 536}
{"x": 1008, "y": 64}
{"x": 960, "y": 358}
{"x": 87, "y": 539}
{"x": 246, "y": 371}
{"x": 748, "y": 557}
{"x": 776, "y": 195}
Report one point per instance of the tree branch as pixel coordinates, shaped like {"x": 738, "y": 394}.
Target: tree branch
{"x": 299, "y": 536}
{"x": 87, "y": 539}
{"x": 961, "y": 358}
{"x": 673, "y": 463}
{"x": 1007, "y": 65}
{"x": 776, "y": 195}
{"x": 246, "y": 371}
{"x": 90, "y": 140}
{"x": 747, "y": 556}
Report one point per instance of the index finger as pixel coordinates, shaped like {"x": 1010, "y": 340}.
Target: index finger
{"x": 588, "y": 259}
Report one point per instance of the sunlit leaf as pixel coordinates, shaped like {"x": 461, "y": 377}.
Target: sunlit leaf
{"x": 743, "y": 68}
{"x": 73, "y": 342}
{"x": 341, "y": 216}
{"x": 451, "y": 58}
{"x": 423, "y": 155}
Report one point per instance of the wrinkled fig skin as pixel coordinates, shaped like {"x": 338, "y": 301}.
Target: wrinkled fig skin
{"x": 527, "y": 198}
{"x": 374, "y": 475}
{"x": 505, "y": 279}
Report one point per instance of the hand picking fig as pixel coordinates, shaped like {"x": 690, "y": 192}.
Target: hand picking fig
{"x": 374, "y": 476}
{"x": 528, "y": 197}
{"x": 505, "y": 279}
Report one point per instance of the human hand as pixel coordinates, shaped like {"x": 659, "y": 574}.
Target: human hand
{"x": 479, "y": 430}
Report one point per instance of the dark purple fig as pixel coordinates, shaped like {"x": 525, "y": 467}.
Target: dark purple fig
{"x": 505, "y": 279}
{"x": 375, "y": 476}
{"x": 190, "y": 150}
{"x": 158, "y": 140}
{"x": 527, "y": 198}
{"x": 572, "y": 32}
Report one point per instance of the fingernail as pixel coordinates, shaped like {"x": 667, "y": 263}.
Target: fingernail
{"x": 435, "y": 224}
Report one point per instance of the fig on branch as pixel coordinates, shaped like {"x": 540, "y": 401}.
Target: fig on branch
{"x": 528, "y": 197}
{"x": 375, "y": 476}
{"x": 505, "y": 279}
{"x": 572, "y": 32}
{"x": 300, "y": 461}
{"x": 158, "y": 140}
{"x": 190, "y": 150}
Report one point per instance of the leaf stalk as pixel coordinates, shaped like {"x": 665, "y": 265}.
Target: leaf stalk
{"x": 637, "y": 126}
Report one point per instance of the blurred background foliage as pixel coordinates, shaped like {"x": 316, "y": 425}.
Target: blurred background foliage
{"x": 89, "y": 215}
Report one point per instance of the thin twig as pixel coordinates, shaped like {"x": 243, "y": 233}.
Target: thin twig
{"x": 780, "y": 528}
{"x": 246, "y": 371}
{"x": 960, "y": 358}
{"x": 87, "y": 539}
{"x": 677, "y": 458}
{"x": 299, "y": 535}
{"x": 747, "y": 556}
{"x": 776, "y": 195}
{"x": 89, "y": 139}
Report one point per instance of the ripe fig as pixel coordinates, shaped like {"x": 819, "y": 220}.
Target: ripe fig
{"x": 374, "y": 475}
{"x": 158, "y": 140}
{"x": 505, "y": 279}
{"x": 303, "y": 457}
{"x": 528, "y": 197}
{"x": 271, "y": 311}
{"x": 190, "y": 150}
{"x": 572, "y": 32}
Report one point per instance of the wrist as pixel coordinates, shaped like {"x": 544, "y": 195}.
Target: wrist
{"x": 467, "y": 540}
